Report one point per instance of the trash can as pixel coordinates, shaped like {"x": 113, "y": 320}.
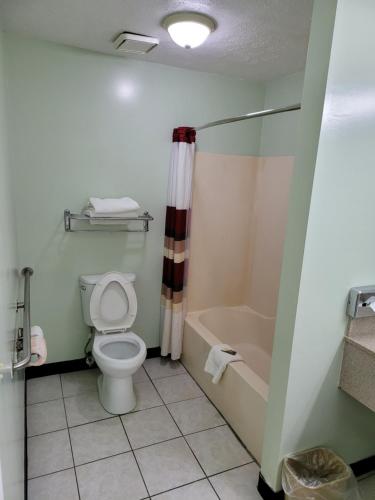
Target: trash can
{"x": 318, "y": 474}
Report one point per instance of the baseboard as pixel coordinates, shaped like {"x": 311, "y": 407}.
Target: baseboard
{"x": 73, "y": 365}
{"x": 266, "y": 492}
{"x": 359, "y": 468}
{"x": 364, "y": 466}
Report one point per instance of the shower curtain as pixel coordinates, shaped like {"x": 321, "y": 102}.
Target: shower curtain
{"x": 176, "y": 241}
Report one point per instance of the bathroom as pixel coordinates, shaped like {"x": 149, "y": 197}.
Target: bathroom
{"x": 277, "y": 234}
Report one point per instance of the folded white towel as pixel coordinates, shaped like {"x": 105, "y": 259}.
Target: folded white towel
{"x": 91, "y": 213}
{"x": 113, "y": 205}
{"x": 218, "y": 359}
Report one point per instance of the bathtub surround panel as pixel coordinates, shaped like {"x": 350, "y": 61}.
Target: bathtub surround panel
{"x": 11, "y": 390}
{"x": 270, "y": 210}
{"x": 85, "y": 124}
{"x": 237, "y": 231}
{"x": 223, "y": 194}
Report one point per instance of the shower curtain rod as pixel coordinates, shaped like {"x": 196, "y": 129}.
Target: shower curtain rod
{"x": 256, "y": 114}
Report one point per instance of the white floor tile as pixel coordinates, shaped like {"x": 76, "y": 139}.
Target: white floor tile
{"x": 58, "y": 486}
{"x": 114, "y": 478}
{"x": 150, "y": 426}
{"x": 238, "y": 484}
{"x": 98, "y": 440}
{"x": 201, "y": 490}
{"x": 218, "y": 450}
{"x": 43, "y": 389}
{"x": 163, "y": 367}
{"x": 140, "y": 376}
{"x": 80, "y": 382}
{"x": 168, "y": 465}
{"x": 84, "y": 409}
{"x": 49, "y": 453}
{"x": 177, "y": 388}
{"x": 45, "y": 417}
{"x": 146, "y": 396}
{"x": 195, "y": 415}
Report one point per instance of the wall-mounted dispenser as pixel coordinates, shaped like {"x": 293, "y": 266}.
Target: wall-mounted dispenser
{"x": 361, "y": 302}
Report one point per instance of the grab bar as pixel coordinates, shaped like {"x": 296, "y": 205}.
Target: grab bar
{"x": 25, "y": 337}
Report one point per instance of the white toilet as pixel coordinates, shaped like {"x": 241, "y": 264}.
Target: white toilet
{"x": 109, "y": 304}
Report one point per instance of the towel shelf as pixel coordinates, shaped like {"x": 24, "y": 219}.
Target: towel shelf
{"x": 69, "y": 216}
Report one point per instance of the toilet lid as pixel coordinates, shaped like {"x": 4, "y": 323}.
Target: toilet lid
{"x": 113, "y": 303}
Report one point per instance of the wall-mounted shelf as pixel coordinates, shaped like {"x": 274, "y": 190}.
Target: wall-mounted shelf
{"x": 143, "y": 219}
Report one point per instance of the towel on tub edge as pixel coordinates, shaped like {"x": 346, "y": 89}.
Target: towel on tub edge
{"x": 217, "y": 360}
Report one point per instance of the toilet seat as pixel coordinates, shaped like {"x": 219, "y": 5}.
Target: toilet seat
{"x": 121, "y": 313}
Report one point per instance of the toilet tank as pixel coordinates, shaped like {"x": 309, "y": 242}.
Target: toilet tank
{"x": 86, "y": 285}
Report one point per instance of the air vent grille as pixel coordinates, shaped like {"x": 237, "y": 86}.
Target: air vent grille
{"x": 135, "y": 44}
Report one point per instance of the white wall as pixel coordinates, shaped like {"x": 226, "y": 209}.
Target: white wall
{"x": 11, "y": 391}
{"x": 86, "y": 124}
{"x": 330, "y": 244}
{"x": 279, "y": 134}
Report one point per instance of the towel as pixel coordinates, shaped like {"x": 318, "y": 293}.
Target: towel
{"x": 91, "y": 213}
{"x": 38, "y": 347}
{"x": 217, "y": 360}
{"x": 112, "y": 206}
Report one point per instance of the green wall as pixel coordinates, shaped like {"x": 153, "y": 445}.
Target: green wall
{"x": 84, "y": 124}
{"x": 11, "y": 389}
{"x": 329, "y": 246}
{"x": 280, "y": 132}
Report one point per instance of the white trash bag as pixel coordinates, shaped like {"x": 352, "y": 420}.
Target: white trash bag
{"x": 318, "y": 474}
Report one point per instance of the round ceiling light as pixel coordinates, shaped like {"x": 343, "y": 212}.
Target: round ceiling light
{"x": 188, "y": 29}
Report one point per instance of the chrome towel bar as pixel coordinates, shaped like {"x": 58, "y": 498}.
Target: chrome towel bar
{"x": 69, "y": 216}
{"x": 23, "y": 342}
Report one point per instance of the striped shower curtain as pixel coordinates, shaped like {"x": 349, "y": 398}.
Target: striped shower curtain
{"x": 176, "y": 241}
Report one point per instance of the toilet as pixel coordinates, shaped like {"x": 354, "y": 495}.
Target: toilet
{"x": 109, "y": 304}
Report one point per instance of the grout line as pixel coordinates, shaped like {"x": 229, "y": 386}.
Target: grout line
{"x": 49, "y": 473}
{"x": 103, "y": 458}
{"x": 70, "y": 443}
{"x": 135, "y": 458}
{"x": 167, "y": 376}
{"x": 182, "y": 486}
{"x": 45, "y": 433}
{"x": 230, "y": 468}
{"x": 48, "y": 432}
{"x": 41, "y": 402}
{"x": 175, "y": 437}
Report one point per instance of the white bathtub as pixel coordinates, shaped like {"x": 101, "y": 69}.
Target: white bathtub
{"x": 242, "y": 393}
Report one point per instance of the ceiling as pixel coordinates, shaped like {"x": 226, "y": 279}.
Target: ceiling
{"x": 255, "y": 39}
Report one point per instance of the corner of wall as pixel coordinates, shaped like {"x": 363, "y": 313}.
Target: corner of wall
{"x": 310, "y": 126}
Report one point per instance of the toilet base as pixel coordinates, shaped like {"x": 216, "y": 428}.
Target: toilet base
{"x": 116, "y": 394}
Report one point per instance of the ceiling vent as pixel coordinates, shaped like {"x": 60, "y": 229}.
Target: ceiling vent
{"x": 135, "y": 44}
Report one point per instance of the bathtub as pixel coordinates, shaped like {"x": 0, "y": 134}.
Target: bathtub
{"x": 241, "y": 395}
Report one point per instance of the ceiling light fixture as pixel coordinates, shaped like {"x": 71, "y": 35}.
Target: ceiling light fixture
{"x": 189, "y": 29}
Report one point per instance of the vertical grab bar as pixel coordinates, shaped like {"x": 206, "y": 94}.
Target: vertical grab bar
{"x": 26, "y": 347}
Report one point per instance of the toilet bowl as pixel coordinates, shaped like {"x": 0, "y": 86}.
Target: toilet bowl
{"x": 118, "y": 356}
{"x": 109, "y": 304}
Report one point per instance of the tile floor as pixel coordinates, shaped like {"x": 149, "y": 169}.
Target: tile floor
{"x": 173, "y": 446}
